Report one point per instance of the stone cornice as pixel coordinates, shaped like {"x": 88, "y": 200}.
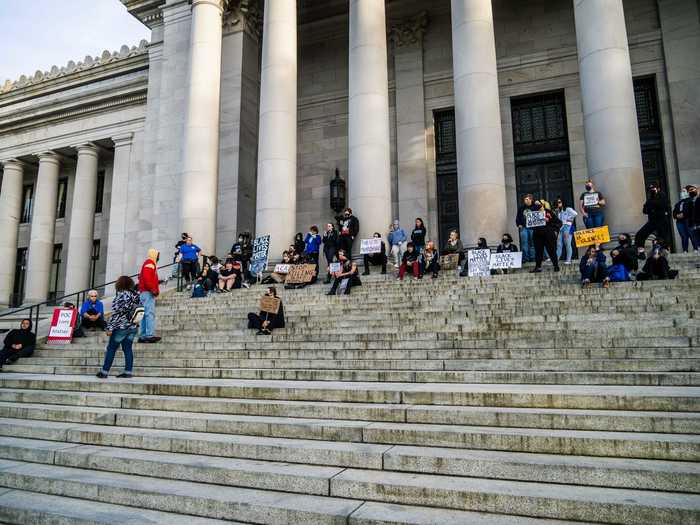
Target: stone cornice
{"x": 410, "y": 30}
{"x": 148, "y": 12}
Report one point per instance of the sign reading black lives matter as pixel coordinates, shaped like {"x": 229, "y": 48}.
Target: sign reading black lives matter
{"x": 370, "y": 246}
{"x": 261, "y": 250}
{"x": 479, "y": 263}
{"x": 535, "y": 219}
{"x": 507, "y": 260}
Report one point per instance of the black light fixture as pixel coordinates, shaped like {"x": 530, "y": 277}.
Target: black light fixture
{"x": 337, "y": 192}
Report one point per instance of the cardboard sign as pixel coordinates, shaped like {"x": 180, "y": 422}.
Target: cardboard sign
{"x": 591, "y": 199}
{"x": 261, "y": 250}
{"x": 282, "y": 268}
{"x": 535, "y": 219}
{"x": 479, "y": 263}
{"x": 370, "y": 246}
{"x": 62, "y": 324}
{"x": 269, "y": 304}
{"x": 301, "y": 274}
{"x": 593, "y": 236}
{"x": 506, "y": 261}
{"x": 449, "y": 262}
{"x": 335, "y": 267}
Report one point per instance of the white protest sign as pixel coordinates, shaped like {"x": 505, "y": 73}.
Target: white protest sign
{"x": 479, "y": 263}
{"x": 62, "y": 324}
{"x": 591, "y": 199}
{"x": 335, "y": 267}
{"x": 370, "y": 246}
{"x": 535, "y": 219}
{"x": 282, "y": 268}
{"x": 507, "y": 260}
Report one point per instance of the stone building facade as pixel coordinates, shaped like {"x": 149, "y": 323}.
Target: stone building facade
{"x": 237, "y": 113}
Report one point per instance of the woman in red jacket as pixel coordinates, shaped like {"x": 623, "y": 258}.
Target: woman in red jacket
{"x": 149, "y": 290}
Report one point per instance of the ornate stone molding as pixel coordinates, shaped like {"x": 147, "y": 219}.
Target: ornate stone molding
{"x": 410, "y": 30}
{"x": 244, "y": 15}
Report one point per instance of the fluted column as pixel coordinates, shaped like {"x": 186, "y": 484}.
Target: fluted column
{"x": 201, "y": 133}
{"x": 276, "y": 201}
{"x": 369, "y": 149}
{"x": 10, "y": 212}
{"x": 480, "y": 170}
{"x": 41, "y": 239}
{"x": 82, "y": 220}
{"x": 613, "y": 151}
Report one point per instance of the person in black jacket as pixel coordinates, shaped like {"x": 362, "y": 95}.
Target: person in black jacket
{"x": 658, "y": 214}
{"x": 507, "y": 246}
{"x": 545, "y": 237}
{"x": 330, "y": 248}
{"x": 242, "y": 252}
{"x": 18, "y": 343}
{"x": 418, "y": 235}
{"x": 525, "y": 233}
{"x": 411, "y": 259}
{"x": 683, "y": 215}
{"x": 377, "y": 259}
{"x": 347, "y": 277}
{"x": 349, "y": 228}
{"x": 656, "y": 267}
{"x": 265, "y": 322}
{"x": 630, "y": 255}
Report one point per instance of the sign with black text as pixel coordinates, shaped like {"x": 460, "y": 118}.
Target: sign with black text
{"x": 370, "y": 246}
{"x": 62, "y": 324}
{"x": 535, "y": 219}
{"x": 479, "y": 263}
{"x": 301, "y": 274}
{"x": 261, "y": 251}
{"x": 591, "y": 199}
{"x": 282, "y": 268}
{"x": 269, "y": 304}
{"x": 506, "y": 261}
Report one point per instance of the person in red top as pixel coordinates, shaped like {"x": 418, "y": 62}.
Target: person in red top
{"x": 148, "y": 291}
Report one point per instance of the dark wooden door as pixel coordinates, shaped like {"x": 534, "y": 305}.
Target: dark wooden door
{"x": 446, "y": 165}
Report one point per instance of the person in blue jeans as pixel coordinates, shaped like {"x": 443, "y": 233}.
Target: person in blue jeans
{"x": 683, "y": 215}
{"x": 593, "y": 267}
{"x": 526, "y": 241}
{"x": 566, "y": 216}
{"x": 120, "y": 328}
{"x": 592, "y": 205}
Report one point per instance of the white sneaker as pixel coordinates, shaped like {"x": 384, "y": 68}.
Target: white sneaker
{"x": 568, "y": 263}
{"x": 246, "y": 285}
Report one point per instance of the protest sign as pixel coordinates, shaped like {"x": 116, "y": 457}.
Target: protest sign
{"x": 449, "y": 262}
{"x": 269, "y": 304}
{"x": 507, "y": 260}
{"x": 370, "y": 246}
{"x": 301, "y": 274}
{"x": 261, "y": 249}
{"x": 62, "y": 324}
{"x": 535, "y": 219}
{"x": 591, "y": 199}
{"x": 335, "y": 267}
{"x": 479, "y": 263}
{"x": 593, "y": 236}
{"x": 282, "y": 268}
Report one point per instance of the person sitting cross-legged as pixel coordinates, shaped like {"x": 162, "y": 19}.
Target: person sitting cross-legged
{"x": 266, "y": 322}
{"x": 92, "y": 312}
{"x": 346, "y": 278}
{"x": 593, "y": 268}
{"x": 18, "y": 343}
{"x": 377, "y": 259}
{"x": 411, "y": 259}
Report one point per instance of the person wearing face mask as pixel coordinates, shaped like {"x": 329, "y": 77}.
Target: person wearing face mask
{"x": 18, "y": 343}
{"x": 506, "y": 246}
{"x": 148, "y": 291}
{"x": 683, "y": 215}
{"x": 658, "y": 213}
{"x": 241, "y": 252}
{"x": 545, "y": 238}
{"x": 349, "y": 228}
{"x": 594, "y": 213}
{"x": 312, "y": 245}
{"x": 481, "y": 244}
{"x": 526, "y": 243}
{"x": 376, "y": 259}
{"x": 630, "y": 255}
{"x": 566, "y": 216}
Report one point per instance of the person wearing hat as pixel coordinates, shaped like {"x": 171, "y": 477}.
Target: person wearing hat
{"x": 148, "y": 291}
{"x": 658, "y": 213}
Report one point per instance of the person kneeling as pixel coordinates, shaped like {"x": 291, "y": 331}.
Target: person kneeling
{"x": 593, "y": 268}
{"x": 266, "y": 322}
{"x": 18, "y": 343}
{"x": 411, "y": 259}
{"x": 346, "y": 278}
{"x": 376, "y": 259}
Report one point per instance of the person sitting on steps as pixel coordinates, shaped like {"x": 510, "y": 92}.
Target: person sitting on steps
{"x": 656, "y": 267}
{"x": 411, "y": 259}
{"x": 431, "y": 260}
{"x": 593, "y": 268}
{"x": 92, "y": 312}
{"x": 229, "y": 278}
{"x": 377, "y": 259}
{"x": 266, "y": 322}
{"x": 346, "y": 278}
{"x": 18, "y": 343}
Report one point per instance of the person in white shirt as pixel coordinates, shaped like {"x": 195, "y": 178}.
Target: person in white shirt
{"x": 567, "y": 216}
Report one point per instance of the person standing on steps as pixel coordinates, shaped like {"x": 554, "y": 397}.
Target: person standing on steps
{"x": 397, "y": 241}
{"x": 18, "y": 343}
{"x": 377, "y": 259}
{"x": 189, "y": 260}
{"x": 330, "y": 248}
{"x": 312, "y": 245}
{"x": 149, "y": 290}
{"x": 266, "y": 322}
{"x": 349, "y": 228}
{"x": 346, "y": 278}
{"x": 658, "y": 213}
{"x": 566, "y": 216}
{"x": 526, "y": 243}
{"x": 683, "y": 215}
{"x": 176, "y": 255}
{"x": 121, "y": 329}
{"x": 545, "y": 237}
{"x": 592, "y": 205}
{"x": 418, "y": 235}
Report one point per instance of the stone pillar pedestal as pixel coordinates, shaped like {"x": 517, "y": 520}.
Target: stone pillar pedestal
{"x": 369, "y": 148}
{"x": 613, "y": 152}
{"x": 276, "y": 203}
{"x": 10, "y": 213}
{"x": 481, "y": 178}
{"x": 201, "y": 134}
{"x": 41, "y": 239}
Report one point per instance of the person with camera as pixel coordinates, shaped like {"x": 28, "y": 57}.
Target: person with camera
{"x": 347, "y": 277}
{"x": 376, "y": 259}
{"x": 266, "y": 322}
{"x": 658, "y": 213}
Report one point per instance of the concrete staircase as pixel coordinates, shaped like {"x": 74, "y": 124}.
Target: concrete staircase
{"x": 518, "y": 399}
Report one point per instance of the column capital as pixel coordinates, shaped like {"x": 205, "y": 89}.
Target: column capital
{"x": 87, "y": 148}
{"x": 13, "y": 163}
{"x": 409, "y": 30}
{"x": 50, "y": 157}
{"x": 246, "y": 16}
{"x": 219, "y": 4}
{"x": 122, "y": 140}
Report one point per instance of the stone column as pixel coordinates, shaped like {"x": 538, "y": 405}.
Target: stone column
{"x": 117, "y": 244}
{"x": 480, "y": 170}
{"x": 369, "y": 149}
{"x": 82, "y": 220}
{"x": 276, "y": 204}
{"x": 613, "y": 152}
{"x": 10, "y": 213}
{"x": 41, "y": 238}
{"x": 201, "y": 134}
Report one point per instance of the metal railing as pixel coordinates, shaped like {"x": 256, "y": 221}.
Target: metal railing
{"x": 34, "y": 309}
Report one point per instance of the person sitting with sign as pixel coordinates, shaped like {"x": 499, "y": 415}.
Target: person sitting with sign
{"x": 376, "y": 259}
{"x": 18, "y": 343}
{"x": 544, "y": 235}
{"x": 593, "y": 267}
{"x": 431, "y": 260}
{"x": 454, "y": 246}
{"x": 92, "y": 312}
{"x": 271, "y": 314}
{"x": 506, "y": 246}
{"x": 346, "y": 278}
{"x": 411, "y": 259}
{"x": 481, "y": 244}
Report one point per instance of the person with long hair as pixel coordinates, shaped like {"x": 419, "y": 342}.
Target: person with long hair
{"x": 418, "y": 235}
{"x": 330, "y": 248}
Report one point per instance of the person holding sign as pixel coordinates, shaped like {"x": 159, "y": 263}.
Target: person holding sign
{"x": 271, "y": 314}
{"x": 545, "y": 237}
{"x": 346, "y": 278}
{"x": 526, "y": 243}
{"x": 376, "y": 259}
{"x": 507, "y": 246}
{"x": 592, "y": 206}
{"x": 454, "y": 246}
{"x": 18, "y": 343}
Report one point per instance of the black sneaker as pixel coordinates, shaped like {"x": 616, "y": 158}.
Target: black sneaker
{"x": 124, "y": 375}
{"x": 536, "y": 270}
{"x": 101, "y": 375}
{"x": 556, "y": 269}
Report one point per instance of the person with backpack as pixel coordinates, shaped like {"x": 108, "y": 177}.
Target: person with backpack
{"x": 122, "y": 327}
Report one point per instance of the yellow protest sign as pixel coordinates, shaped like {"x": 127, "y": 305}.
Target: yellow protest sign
{"x": 593, "y": 236}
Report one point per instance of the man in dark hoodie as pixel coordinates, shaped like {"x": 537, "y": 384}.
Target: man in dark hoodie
{"x": 545, "y": 237}
{"x": 658, "y": 213}
{"x": 18, "y": 343}
{"x": 349, "y": 227}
